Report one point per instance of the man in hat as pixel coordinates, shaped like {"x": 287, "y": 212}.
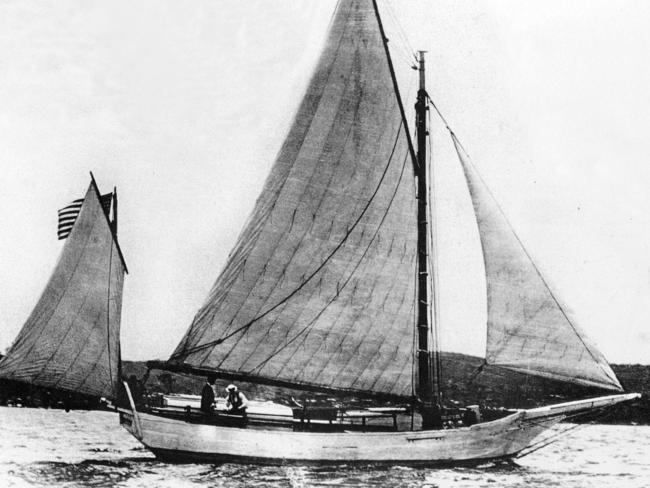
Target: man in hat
{"x": 207, "y": 395}
{"x": 236, "y": 402}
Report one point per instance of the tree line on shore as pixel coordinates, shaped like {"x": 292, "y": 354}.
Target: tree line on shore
{"x": 464, "y": 383}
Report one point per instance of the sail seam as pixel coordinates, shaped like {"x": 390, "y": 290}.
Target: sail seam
{"x": 74, "y": 361}
{"x": 388, "y": 292}
{"x": 325, "y": 261}
{"x": 94, "y": 367}
{"x": 58, "y": 347}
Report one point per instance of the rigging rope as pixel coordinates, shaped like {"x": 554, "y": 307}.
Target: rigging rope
{"x": 406, "y": 49}
{"x": 547, "y": 441}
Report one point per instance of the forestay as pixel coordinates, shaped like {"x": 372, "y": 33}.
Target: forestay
{"x": 71, "y": 339}
{"x": 320, "y": 287}
{"x": 529, "y": 330}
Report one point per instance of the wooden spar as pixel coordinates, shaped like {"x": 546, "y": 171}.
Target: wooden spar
{"x": 238, "y": 376}
{"x": 426, "y": 391}
{"x": 108, "y": 316}
{"x": 395, "y": 84}
{"x": 113, "y": 228}
{"x": 428, "y": 388}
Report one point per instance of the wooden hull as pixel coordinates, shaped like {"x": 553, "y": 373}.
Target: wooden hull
{"x": 180, "y": 441}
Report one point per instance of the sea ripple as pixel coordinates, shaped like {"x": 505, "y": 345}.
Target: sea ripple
{"x": 46, "y": 448}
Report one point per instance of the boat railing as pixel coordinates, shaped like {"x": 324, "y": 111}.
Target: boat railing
{"x": 298, "y": 419}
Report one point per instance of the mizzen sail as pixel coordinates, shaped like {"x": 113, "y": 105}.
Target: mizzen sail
{"x": 71, "y": 339}
{"x": 529, "y": 330}
{"x": 320, "y": 287}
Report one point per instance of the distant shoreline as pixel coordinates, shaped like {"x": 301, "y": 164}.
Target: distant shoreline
{"x": 493, "y": 387}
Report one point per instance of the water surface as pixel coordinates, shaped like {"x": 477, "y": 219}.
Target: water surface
{"x": 76, "y": 449}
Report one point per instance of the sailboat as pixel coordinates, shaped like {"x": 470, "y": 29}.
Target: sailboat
{"x": 331, "y": 288}
{"x": 70, "y": 343}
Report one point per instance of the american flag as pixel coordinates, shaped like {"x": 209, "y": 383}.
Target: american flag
{"x": 68, "y": 215}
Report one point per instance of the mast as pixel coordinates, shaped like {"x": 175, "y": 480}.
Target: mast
{"x": 113, "y": 226}
{"x": 428, "y": 388}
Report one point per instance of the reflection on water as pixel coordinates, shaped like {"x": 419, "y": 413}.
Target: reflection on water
{"x": 52, "y": 448}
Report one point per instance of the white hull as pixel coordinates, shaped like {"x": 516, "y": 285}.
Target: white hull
{"x": 177, "y": 440}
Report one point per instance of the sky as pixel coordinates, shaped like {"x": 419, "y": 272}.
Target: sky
{"x": 183, "y": 105}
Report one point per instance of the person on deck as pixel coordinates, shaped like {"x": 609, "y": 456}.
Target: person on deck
{"x": 236, "y": 402}
{"x": 207, "y": 395}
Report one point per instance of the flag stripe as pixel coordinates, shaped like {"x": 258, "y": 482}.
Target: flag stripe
{"x": 67, "y": 218}
{"x": 71, "y": 208}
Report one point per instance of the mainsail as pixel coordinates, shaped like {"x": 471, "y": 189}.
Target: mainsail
{"x": 320, "y": 287}
{"x": 71, "y": 339}
{"x": 529, "y": 330}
